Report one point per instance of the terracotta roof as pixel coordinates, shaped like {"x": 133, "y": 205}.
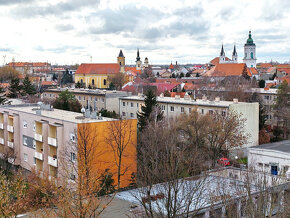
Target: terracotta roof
{"x": 216, "y": 60}
{"x": 227, "y": 70}
{"x": 287, "y": 70}
{"x": 271, "y": 69}
{"x": 98, "y": 69}
{"x": 190, "y": 86}
{"x": 48, "y": 83}
{"x": 252, "y": 71}
{"x": 283, "y": 66}
{"x": 287, "y": 78}
{"x": 181, "y": 94}
{"x": 264, "y": 65}
{"x": 162, "y": 87}
{"x": 4, "y": 85}
{"x": 133, "y": 70}
{"x": 30, "y": 64}
{"x": 171, "y": 66}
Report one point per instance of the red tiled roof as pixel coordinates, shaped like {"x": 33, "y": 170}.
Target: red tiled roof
{"x": 25, "y": 64}
{"x": 181, "y": 94}
{"x": 162, "y": 87}
{"x": 171, "y": 66}
{"x": 286, "y": 78}
{"x": 98, "y": 69}
{"x": 4, "y": 85}
{"x": 271, "y": 69}
{"x": 264, "y": 65}
{"x": 48, "y": 83}
{"x": 216, "y": 60}
{"x": 190, "y": 86}
{"x": 252, "y": 71}
{"x": 227, "y": 70}
{"x": 283, "y": 66}
{"x": 133, "y": 70}
{"x": 287, "y": 70}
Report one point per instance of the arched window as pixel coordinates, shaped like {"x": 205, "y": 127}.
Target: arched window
{"x": 120, "y": 63}
{"x": 105, "y": 82}
{"x": 82, "y": 81}
{"x": 93, "y": 82}
{"x": 252, "y": 55}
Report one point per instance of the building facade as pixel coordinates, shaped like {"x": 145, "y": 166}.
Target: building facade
{"x": 36, "y": 136}
{"x": 175, "y": 107}
{"x": 93, "y": 99}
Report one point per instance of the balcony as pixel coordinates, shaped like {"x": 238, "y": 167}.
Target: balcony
{"x": 10, "y": 144}
{"x": 38, "y": 155}
{"x": 52, "y": 161}
{"x": 2, "y": 141}
{"x": 11, "y": 160}
{"x": 38, "y": 137}
{"x": 1, "y": 126}
{"x": 10, "y": 128}
{"x": 52, "y": 141}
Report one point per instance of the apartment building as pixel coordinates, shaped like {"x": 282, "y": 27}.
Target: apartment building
{"x": 95, "y": 99}
{"x": 174, "y": 107}
{"x": 37, "y": 136}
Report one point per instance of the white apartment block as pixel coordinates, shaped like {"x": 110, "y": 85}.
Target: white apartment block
{"x": 175, "y": 107}
{"x": 96, "y": 99}
{"x": 36, "y": 134}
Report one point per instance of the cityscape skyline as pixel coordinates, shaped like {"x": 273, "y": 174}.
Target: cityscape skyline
{"x": 69, "y": 32}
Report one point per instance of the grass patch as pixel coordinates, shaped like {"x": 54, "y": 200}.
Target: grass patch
{"x": 243, "y": 160}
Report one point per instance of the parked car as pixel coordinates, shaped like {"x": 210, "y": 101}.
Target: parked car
{"x": 224, "y": 161}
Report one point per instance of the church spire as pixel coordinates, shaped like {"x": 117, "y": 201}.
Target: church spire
{"x": 222, "y": 51}
{"x": 121, "y": 54}
{"x": 234, "y": 52}
{"x": 138, "y": 55}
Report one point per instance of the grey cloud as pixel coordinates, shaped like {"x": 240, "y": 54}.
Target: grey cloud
{"x": 12, "y": 2}
{"x": 59, "y": 49}
{"x": 64, "y": 27}
{"x": 6, "y": 49}
{"x": 58, "y": 9}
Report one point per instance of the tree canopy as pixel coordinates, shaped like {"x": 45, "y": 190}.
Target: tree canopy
{"x": 67, "y": 101}
{"x": 28, "y": 88}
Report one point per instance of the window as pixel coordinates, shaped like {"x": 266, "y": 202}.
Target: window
{"x": 45, "y": 94}
{"x": 34, "y": 126}
{"x": 79, "y": 97}
{"x": 73, "y": 157}
{"x": 105, "y": 82}
{"x": 96, "y": 99}
{"x": 24, "y": 124}
{"x": 24, "y": 140}
{"x": 124, "y": 114}
{"x": 132, "y": 104}
{"x": 223, "y": 113}
{"x": 266, "y": 97}
{"x": 131, "y": 115}
{"x": 25, "y": 157}
{"x": 84, "y": 97}
{"x": 73, "y": 177}
{"x": 103, "y": 100}
{"x": 202, "y": 111}
{"x": 93, "y": 82}
{"x": 171, "y": 108}
{"x": 189, "y": 110}
{"x": 163, "y": 107}
{"x": 260, "y": 164}
{"x": 182, "y": 109}
{"x": 124, "y": 104}
{"x": 72, "y": 137}
{"x": 34, "y": 161}
{"x": 82, "y": 81}
{"x": 34, "y": 144}
{"x": 210, "y": 111}
{"x": 252, "y": 55}
{"x": 137, "y": 104}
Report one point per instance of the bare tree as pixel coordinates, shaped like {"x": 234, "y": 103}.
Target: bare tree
{"x": 120, "y": 138}
{"x": 164, "y": 165}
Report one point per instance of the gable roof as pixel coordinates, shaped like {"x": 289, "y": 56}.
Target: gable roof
{"x": 216, "y": 60}
{"x": 252, "y": 71}
{"x": 264, "y": 65}
{"x": 227, "y": 70}
{"x": 98, "y": 68}
{"x": 133, "y": 70}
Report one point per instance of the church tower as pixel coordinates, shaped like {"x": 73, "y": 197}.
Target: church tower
{"x": 250, "y": 52}
{"x": 222, "y": 56}
{"x": 121, "y": 61}
{"x": 235, "y": 55}
{"x": 138, "y": 61}
{"x": 146, "y": 62}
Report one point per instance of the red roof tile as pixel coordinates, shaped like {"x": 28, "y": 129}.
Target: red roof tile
{"x": 98, "y": 69}
{"x": 133, "y": 70}
{"x": 227, "y": 70}
{"x": 48, "y": 83}
{"x": 216, "y": 60}
{"x": 264, "y": 65}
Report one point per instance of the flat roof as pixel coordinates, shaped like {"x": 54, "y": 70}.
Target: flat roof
{"x": 200, "y": 102}
{"x": 88, "y": 91}
{"x": 283, "y": 146}
{"x": 55, "y": 114}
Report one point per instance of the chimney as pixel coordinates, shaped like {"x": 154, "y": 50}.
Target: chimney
{"x": 235, "y": 100}
{"x": 217, "y": 99}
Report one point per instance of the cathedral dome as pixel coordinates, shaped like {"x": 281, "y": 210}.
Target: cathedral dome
{"x": 250, "y": 41}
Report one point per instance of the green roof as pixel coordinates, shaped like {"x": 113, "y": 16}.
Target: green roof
{"x": 250, "y": 41}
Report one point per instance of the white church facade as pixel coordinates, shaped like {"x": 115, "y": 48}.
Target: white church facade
{"x": 249, "y": 54}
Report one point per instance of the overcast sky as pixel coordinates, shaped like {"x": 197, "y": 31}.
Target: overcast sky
{"x": 70, "y": 31}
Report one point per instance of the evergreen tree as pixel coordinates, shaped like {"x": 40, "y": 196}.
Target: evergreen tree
{"x": 262, "y": 83}
{"x": 3, "y": 99}
{"x": 181, "y": 75}
{"x": 107, "y": 183}
{"x": 66, "y": 78}
{"x": 28, "y": 88}
{"x": 67, "y": 101}
{"x": 15, "y": 89}
{"x": 145, "y": 116}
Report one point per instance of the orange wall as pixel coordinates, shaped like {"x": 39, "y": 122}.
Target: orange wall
{"x": 104, "y": 157}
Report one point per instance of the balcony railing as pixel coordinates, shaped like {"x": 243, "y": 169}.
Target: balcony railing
{"x": 10, "y": 128}
{"x": 38, "y": 137}
{"x": 52, "y": 161}
{"x": 1, "y": 126}
{"x": 38, "y": 155}
{"x": 52, "y": 141}
{"x": 10, "y": 144}
{"x": 2, "y": 141}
